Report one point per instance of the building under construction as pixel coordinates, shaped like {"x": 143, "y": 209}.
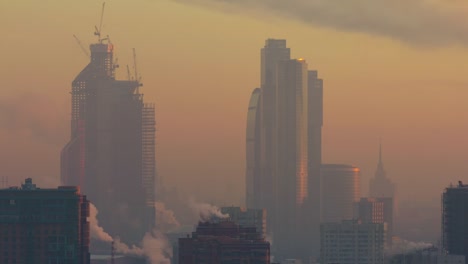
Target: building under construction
{"x": 111, "y": 152}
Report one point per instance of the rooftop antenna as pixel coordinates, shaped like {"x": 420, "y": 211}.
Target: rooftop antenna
{"x": 98, "y": 30}
{"x": 81, "y": 46}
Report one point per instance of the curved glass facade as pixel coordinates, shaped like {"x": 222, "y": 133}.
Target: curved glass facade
{"x": 340, "y": 189}
{"x": 253, "y": 184}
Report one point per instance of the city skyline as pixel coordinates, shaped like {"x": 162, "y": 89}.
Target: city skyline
{"x": 403, "y": 97}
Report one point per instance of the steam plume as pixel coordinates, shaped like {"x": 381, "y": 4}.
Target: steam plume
{"x": 165, "y": 218}
{"x": 426, "y": 22}
{"x": 156, "y": 247}
{"x": 155, "y": 244}
{"x": 97, "y": 232}
{"x": 206, "y": 211}
{"x": 404, "y": 246}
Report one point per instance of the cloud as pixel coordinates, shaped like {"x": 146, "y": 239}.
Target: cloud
{"x": 418, "y": 22}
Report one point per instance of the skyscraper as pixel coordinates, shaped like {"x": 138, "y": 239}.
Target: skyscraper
{"x": 111, "y": 149}
{"x": 275, "y": 50}
{"x": 454, "y": 224}
{"x": 291, "y": 153}
{"x": 341, "y": 189}
{"x": 43, "y": 225}
{"x": 380, "y": 185}
{"x": 284, "y": 128}
{"x": 253, "y": 185}
{"x": 314, "y": 140}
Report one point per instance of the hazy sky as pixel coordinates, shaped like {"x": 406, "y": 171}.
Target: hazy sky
{"x": 390, "y": 70}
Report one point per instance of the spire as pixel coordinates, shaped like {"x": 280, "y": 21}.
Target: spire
{"x": 380, "y": 173}
{"x": 380, "y": 150}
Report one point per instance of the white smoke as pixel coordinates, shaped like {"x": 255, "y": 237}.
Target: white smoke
{"x": 206, "y": 212}
{"x": 165, "y": 218}
{"x": 155, "y": 245}
{"x": 402, "y": 246}
{"x": 426, "y": 22}
{"x": 157, "y": 248}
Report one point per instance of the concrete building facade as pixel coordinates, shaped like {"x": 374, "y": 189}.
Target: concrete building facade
{"x": 248, "y": 218}
{"x": 224, "y": 242}
{"x": 43, "y": 225}
{"x": 376, "y": 210}
{"x": 352, "y": 242}
{"x": 454, "y": 224}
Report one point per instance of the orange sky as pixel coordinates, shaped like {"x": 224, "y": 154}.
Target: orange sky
{"x": 200, "y": 66}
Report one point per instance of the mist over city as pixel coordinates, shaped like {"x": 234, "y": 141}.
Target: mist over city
{"x": 174, "y": 123}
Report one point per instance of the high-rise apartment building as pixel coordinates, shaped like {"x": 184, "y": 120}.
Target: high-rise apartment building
{"x": 377, "y": 210}
{"x": 110, "y": 154}
{"x": 352, "y": 242}
{"x": 341, "y": 189}
{"x": 247, "y": 217}
{"x": 224, "y": 242}
{"x": 43, "y": 225}
{"x": 454, "y": 222}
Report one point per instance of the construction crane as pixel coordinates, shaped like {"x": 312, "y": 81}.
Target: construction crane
{"x": 98, "y": 30}
{"x": 129, "y": 76}
{"x": 137, "y": 78}
{"x": 85, "y": 51}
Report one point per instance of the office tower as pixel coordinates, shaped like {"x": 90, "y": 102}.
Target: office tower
{"x": 43, "y": 225}
{"x": 315, "y": 122}
{"x": 352, "y": 242}
{"x": 454, "y": 223}
{"x": 275, "y": 50}
{"x": 291, "y": 154}
{"x": 377, "y": 210}
{"x": 380, "y": 185}
{"x": 111, "y": 150}
{"x": 253, "y": 185}
{"x": 247, "y": 217}
{"x": 283, "y": 126}
{"x": 224, "y": 242}
{"x": 340, "y": 190}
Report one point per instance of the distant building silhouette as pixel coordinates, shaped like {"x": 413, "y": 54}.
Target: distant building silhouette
{"x": 352, "y": 242}
{"x": 111, "y": 152}
{"x": 43, "y": 225}
{"x": 454, "y": 220}
{"x": 314, "y": 141}
{"x": 341, "y": 189}
{"x": 380, "y": 185}
{"x": 224, "y": 242}
{"x": 377, "y": 210}
{"x": 254, "y": 186}
{"x": 275, "y": 50}
{"x": 284, "y": 127}
{"x": 291, "y": 156}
